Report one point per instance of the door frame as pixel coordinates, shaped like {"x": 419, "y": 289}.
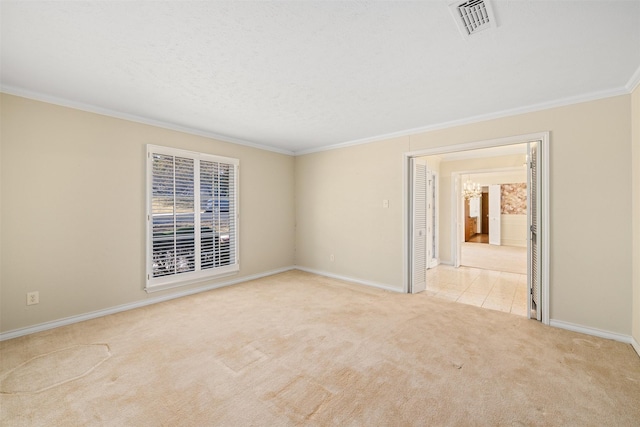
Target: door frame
{"x": 433, "y": 219}
{"x": 544, "y": 231}
{"x": 495, "y": 237}
{"x": 457, "y": 200}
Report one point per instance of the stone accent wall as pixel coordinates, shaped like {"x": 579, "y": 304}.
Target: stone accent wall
{"x": 513, "y": 199}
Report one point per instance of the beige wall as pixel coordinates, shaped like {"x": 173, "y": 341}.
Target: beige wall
{"x": 635, "y": 108}
{"x": 339, "y": 207}
{"x": 339, "y": 211}
{"x": 74, "y": 230}
{"x": 513, "y": 230}
{"x": 72, "y": 212}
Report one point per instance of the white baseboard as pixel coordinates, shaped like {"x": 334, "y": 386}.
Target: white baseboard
{"x": 635, "y": 345}
{"x": 349, "y": 279}
{"x": 555, "y": 323}
{"x": 130, "y": 306}
{"x": 519, "y": 243}
{"x": 627, "y": 339}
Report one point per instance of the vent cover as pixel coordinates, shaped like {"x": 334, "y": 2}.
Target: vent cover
{"x": 473, "y": 16}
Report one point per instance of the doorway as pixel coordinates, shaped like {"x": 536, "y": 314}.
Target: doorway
{"x": 452, "y": 210}
{"x": 484, "y": 220}
{"x": 494, "y": 262}
{"x": 497, "y": 218}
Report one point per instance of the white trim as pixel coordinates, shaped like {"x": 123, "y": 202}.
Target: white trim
{"x": 510, "y": 170}
{"x": 175, "y": 281}
{"x": 627, "y": 339}
{"x": 628, "y": 88}
{"x": 635, "y": 346}
{"x": 406, "y": 250}
{"x": 474, "y": 119}
{"x": 435, "y": 236}
{"x": 634, "y": 81}
{"x": 349, "y": 279}
{"x": 514, "y": 243}
{"x": 130, "y": 306}
{"x": 457, "y": 211}
{"x": 545, "y": 227}
{"x": 488, "y": 143}
{"x": 10, "y": 90}
{"x": 457, "y": 227}
{"x": 545, "y": 167}
{"x": 155, "y": 284}
{"x": 554, "y": 323}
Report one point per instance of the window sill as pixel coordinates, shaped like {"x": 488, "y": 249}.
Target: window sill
{"x": 169, "y": 282}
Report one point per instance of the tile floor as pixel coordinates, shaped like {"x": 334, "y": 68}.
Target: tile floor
{"x": 495, "y": 290}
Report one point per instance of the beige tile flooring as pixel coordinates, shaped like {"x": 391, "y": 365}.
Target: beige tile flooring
{"x": 495, "y": 290}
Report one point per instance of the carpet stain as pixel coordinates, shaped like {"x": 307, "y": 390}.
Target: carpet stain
{"x": 52, "y": 369}
{"x": 457, "y": 365}
{"x": 300, "y": 399}
{"x": 586, "y": 342}
{"x": 289, "y": 351}
{"x": 237, "y": 359}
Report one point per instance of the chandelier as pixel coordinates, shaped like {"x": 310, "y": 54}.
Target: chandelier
{"x": 471, "y": 190}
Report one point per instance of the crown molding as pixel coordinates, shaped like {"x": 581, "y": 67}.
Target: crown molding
{"x": 10, "y": 90}
{"x": 475, "y": 119}
{"x": 634, "y": 81}
{"x": 627, "y": 89}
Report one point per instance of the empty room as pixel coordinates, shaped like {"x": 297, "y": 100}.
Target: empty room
{"x": 391, "y": 213}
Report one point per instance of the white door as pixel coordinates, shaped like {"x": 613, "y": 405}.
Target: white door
{"x": 418, "y": 282}
{"x": 458, "y": 202}
{"x": 494, "y": 215}
{"x": 533, "y": 245}
{"x": 432, "y": 222}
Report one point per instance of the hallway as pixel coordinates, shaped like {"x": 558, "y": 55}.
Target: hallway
{"x": 495, "y": 290}
{"x": 479, "y": 238}
{"x": 509, "y": 259}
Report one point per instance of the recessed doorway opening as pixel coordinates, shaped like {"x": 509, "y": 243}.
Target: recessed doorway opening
{"x": 510, "y": 272}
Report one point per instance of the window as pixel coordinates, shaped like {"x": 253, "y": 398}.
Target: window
{"x": 192, "y": 229}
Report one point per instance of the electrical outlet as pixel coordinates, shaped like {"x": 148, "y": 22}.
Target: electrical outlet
{"x": 332, "y": 258}
{"x": 33, "y": 298}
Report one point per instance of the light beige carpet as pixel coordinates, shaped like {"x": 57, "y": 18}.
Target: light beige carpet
{"x": 299, "y": 349}
{"x": 510, "y": 259}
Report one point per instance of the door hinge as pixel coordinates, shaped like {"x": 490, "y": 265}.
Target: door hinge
{"x": 530, "y": 291}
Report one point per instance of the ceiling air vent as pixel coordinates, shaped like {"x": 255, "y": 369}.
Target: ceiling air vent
{"x": 473, "y": 16}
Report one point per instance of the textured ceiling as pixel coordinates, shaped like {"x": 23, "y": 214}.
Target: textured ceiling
{"x": 299, "y": 76}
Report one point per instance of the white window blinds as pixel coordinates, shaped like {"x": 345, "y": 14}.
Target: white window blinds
{"x": 192, "y": 231}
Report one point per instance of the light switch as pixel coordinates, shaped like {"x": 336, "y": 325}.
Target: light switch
{"x": 385, "y": 203}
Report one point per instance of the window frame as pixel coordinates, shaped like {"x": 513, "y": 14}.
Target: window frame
{"x": 153, "y": 284}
